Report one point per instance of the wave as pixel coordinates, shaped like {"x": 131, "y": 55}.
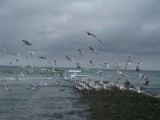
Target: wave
{"x": 33, "y": 78}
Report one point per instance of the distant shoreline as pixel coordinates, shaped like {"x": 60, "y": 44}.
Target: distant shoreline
{"x": 60, "y": 67}
{"x": 120, "y": 105}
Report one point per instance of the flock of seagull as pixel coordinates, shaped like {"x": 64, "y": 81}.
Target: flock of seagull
{"x": 35, "y": 86}
{"x": 121, "y": 82}
{"x": 88, "y": 83}
{"x": 93, "y": 84}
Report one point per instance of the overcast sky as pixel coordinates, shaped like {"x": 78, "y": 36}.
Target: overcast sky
{"x": 56, "y": 28}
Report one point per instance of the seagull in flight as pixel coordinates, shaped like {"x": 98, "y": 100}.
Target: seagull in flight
{"x": 129, "y": 61}
{"x": 26, "y": 42}
{"x": 70, "y": 60}
{"x": 92, "y": 50}
{"x": 91, "y": 63}
{"x": 30, "y": 53}
{"x": 79, "y": 51}
{"x": 3, "y": 50}
{"x": 137, "y": 68}
{"x": 145, "y": 81}
{"x": 139, "y": 63}
{"x": 99, "y": 41}
{"x": 78, "y": 65}
{"x": 107, "y": 64}
{"x": 17, "y": 59}
{"x": 94, "y": 36}
{"x": 42, "y": 57}
{"x": 16, "y": 54}
{"x": 102, "y": 65}
{"x": 55, "y": 62}
{"x": 90, "y": 34}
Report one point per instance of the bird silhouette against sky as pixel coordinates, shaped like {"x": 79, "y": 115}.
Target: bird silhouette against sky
{"x": 26, "y": 42}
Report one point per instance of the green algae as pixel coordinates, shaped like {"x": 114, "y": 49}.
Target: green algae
{"x": 120, "y": 105}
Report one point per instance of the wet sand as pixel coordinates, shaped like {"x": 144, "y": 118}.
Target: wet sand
{"x": 120, "y": 105}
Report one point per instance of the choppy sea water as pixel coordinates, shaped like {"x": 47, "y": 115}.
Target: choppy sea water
{"x": 55, "y": 98}
{"x": 56, "y": 101}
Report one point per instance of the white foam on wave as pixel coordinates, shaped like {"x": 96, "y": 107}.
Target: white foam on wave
{"x": 5, "y": 78}
{"x": 36, "y": 78}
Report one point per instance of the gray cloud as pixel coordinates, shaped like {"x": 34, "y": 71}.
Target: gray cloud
{"x": 56, "y": 28}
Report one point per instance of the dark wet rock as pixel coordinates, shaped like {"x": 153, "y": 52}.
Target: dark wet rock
{"x": 120, "y": 105}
